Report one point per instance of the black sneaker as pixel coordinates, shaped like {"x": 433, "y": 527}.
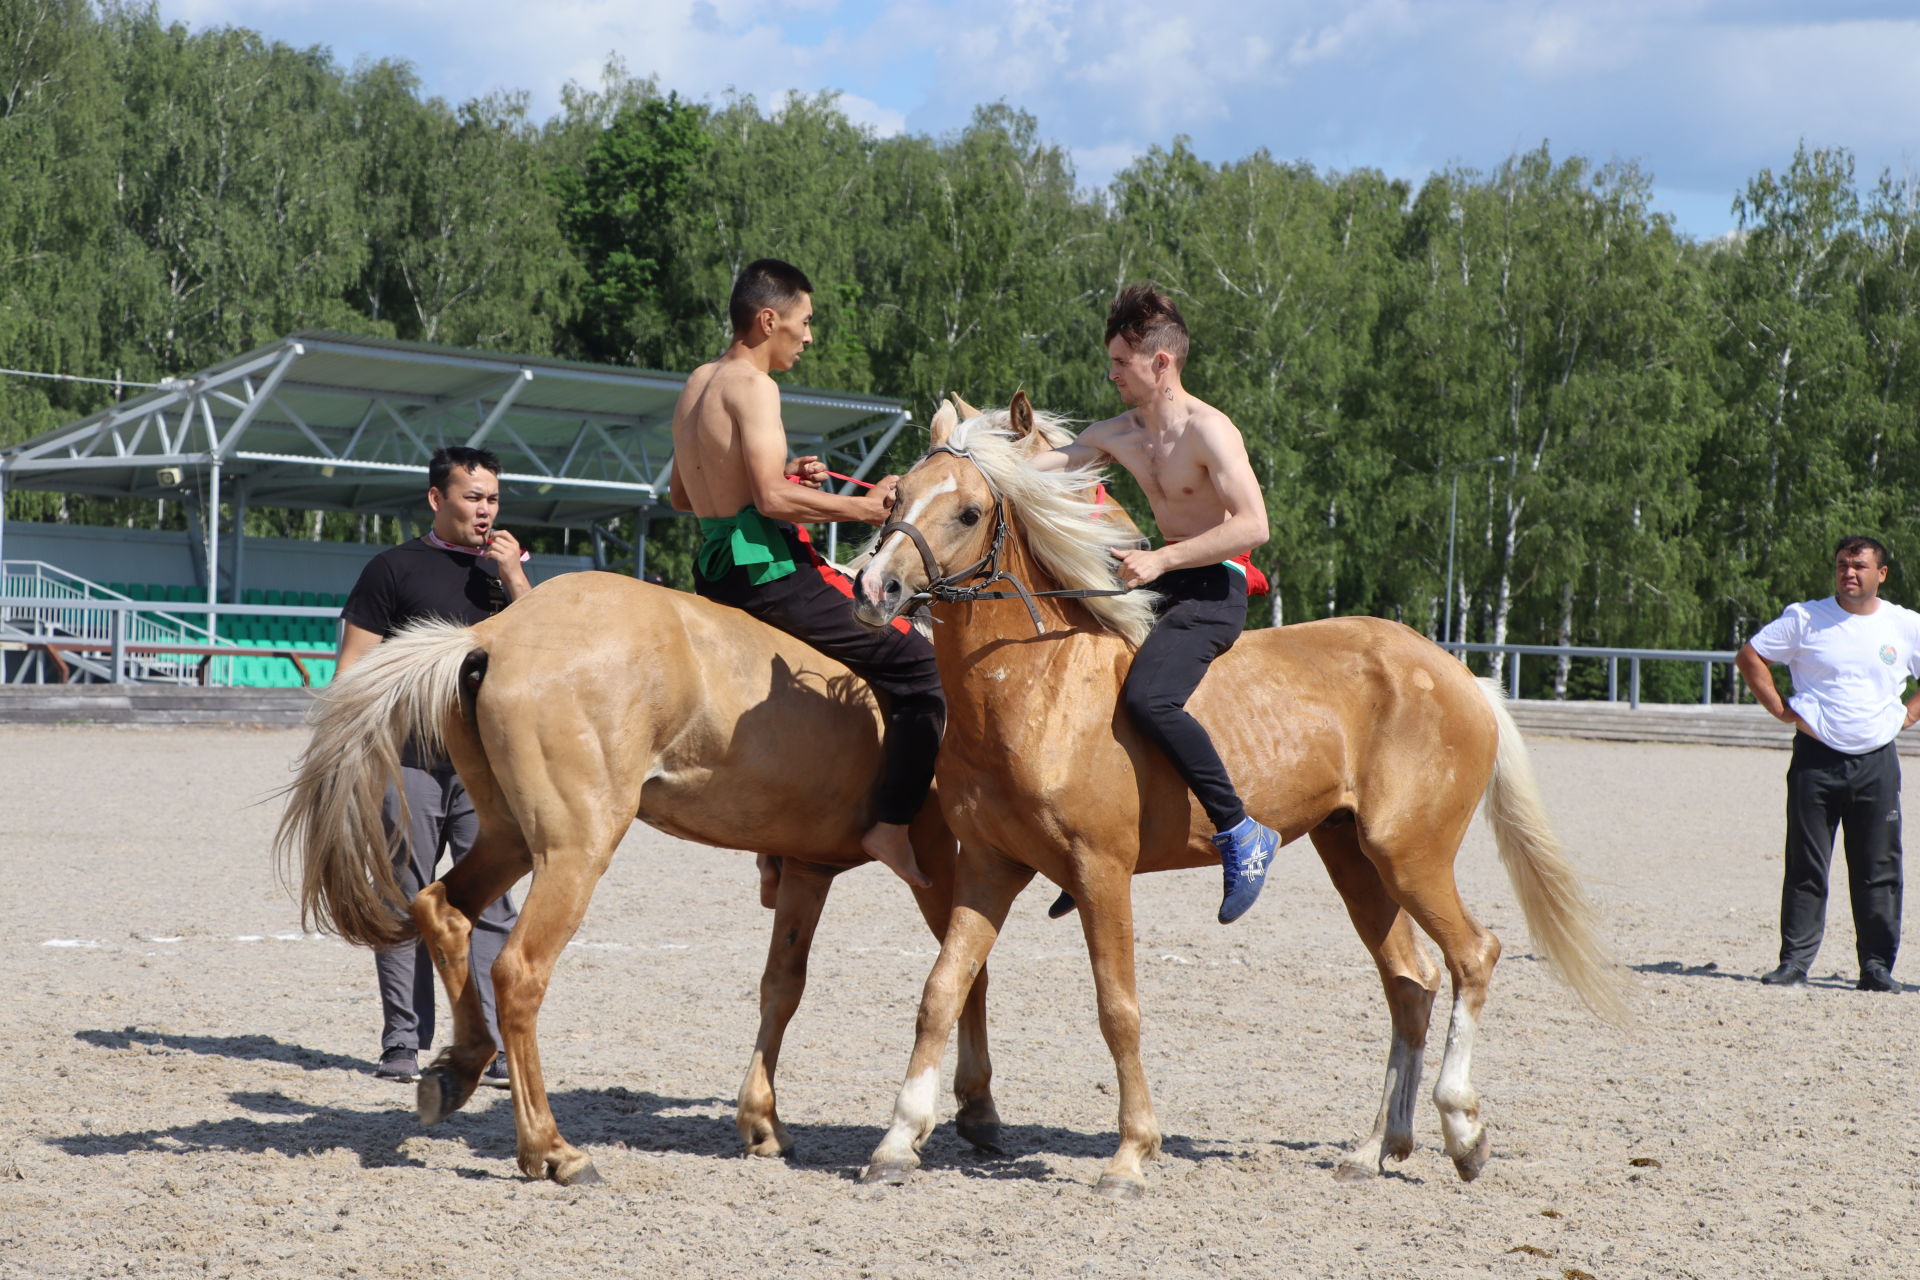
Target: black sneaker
{"x": 1787, "y": 975}
{"x": 1874, "y": 977}
{"x": 496, "y": 1073}
{"x": 398, "y": 1064}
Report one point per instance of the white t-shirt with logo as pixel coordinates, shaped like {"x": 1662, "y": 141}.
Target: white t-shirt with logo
{"x": 1849, "y": 669}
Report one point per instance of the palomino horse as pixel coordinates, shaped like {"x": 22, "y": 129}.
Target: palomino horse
{"x": 592, "y": 700}
{"x": 1355, "y": 732}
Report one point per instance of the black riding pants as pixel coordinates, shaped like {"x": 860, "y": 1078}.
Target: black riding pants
{"x": 1202, "y": 612}
{"x": 815, "y": 604}
{"x": 1828, "y": 789}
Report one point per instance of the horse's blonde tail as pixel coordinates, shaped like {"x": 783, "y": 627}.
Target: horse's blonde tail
{"x": 1560, "y": 916}
{"x": 332, "y": 847}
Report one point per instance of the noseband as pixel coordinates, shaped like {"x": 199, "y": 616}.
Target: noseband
{"x": 964, "y": 586}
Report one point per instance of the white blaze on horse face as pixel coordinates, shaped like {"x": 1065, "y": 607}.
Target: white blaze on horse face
{"x": 919, "y": 507}
{"x": 898, "y": 543}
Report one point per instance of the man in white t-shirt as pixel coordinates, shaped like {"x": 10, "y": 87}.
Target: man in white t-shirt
{"x": 1850, "y": 655}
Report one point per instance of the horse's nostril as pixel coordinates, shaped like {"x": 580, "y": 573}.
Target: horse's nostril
{"x": 892, "y": 588}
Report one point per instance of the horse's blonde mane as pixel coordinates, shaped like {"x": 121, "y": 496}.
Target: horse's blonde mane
{"x": 1057, "y": 512}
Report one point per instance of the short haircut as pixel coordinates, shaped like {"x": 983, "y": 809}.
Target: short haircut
{"x": 1147, "y": 321}
{"x": 767, "y": 282}
{"x": 1861, "y": 542}
{"x": 440, "y": 468}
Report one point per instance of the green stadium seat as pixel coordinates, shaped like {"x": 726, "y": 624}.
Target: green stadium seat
{"x": 322, "y": 670}
{"x": 118, "y": 588}
{"x": 172, "y": 592}
{"x": 308, "y": 599}
{"x": 255, "y": 596}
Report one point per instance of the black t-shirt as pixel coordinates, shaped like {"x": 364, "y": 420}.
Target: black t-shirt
{"x": 413, "y": 580}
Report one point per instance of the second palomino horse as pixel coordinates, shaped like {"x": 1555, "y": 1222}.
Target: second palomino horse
{"x": 592, "y": 700}
{"x": 1355, "y": 732}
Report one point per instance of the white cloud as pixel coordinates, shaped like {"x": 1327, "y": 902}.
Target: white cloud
{"x": 1704, "y": 92}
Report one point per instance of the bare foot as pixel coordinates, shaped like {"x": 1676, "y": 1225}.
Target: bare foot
{"x": 888, "y": 842}
{"x": 769, "y": 879}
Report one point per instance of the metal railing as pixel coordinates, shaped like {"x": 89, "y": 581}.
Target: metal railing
{"x": 117, "y": 622}
{"x": 1707, "y": 658}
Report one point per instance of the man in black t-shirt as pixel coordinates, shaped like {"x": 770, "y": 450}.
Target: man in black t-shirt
{"x": 463, "y": 570}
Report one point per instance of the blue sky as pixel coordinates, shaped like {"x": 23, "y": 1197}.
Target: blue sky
{"x": 1702, "y": 93}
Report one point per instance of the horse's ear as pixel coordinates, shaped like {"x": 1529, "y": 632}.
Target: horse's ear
{"x": 944, "y": 421}
{"x": 967, "y": 411}
{"x": 1020, "y": 414}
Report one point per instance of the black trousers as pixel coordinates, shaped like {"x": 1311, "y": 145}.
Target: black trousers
{"x": 439, "y": 816}
{"x": 815, "y": 604}
{"x": 1202, "y": 612}
{"x": 1828, "y": 789}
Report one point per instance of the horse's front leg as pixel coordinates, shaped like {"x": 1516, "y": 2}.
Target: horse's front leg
{"x": 1106, "y": 918}
{"x": 978, "y": 1120}
{"x": 801, "y": 896}
{"x": 985, "y": 886}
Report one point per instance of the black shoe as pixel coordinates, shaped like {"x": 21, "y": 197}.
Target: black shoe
{"x": 1062, "y": 906}
{"x": 496, "y": 1073}
{"x": 398, "y": 1064}
{"x": 1874, "y": 977}
{"x": 1787, "y": 975}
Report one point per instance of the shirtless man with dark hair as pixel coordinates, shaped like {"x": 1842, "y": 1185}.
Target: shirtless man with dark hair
{"x": 731, "y": 469}
{"x": 1192, "y": 465}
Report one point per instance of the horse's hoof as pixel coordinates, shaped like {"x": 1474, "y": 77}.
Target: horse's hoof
{"x": 1119, "y": 1189}
{"x": 437, "y": 1096}
{"x": 1474, "y": 1161}
{"x": 890, "y": 1174}
{"x": 584, "y": 1176}
{"x": 770, "y": 1148}
{"x": 983, "y": 1134}
{"x": 1352, "y": 1171}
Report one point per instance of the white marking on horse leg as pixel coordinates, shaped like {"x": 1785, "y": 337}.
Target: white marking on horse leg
{"x": 913, "y": 1120}
{"x": 1392, "y": 1136}
{"x": 1453, "y": 1092}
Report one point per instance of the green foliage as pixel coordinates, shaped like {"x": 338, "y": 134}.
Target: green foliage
{"x": 1653, "y": 442}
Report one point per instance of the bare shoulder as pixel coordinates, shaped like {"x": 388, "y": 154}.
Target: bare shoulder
{"x": 1216, "y": 431}
{"x": 1108, "y": 431}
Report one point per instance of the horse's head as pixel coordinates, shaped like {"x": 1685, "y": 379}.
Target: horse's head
{"x": 946, "y": 521}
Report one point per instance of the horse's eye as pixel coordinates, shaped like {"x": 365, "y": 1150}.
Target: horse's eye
{"x": 970, "y": 516}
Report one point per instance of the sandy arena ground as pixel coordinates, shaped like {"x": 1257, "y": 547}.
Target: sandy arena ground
{"x": 185, "y": 1087}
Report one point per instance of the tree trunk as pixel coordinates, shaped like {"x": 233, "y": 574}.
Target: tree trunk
{"x": 1564, "y": 663}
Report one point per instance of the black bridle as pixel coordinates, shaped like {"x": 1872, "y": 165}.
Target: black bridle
{"x": 964, "y": 586}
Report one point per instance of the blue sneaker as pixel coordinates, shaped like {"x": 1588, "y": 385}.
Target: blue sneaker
{"x": 1245, "y": 851}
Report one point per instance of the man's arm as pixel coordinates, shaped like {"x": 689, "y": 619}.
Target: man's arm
{"x": 755, "y": 406}
{"x": 1754, "y": 670}
{"x": 355, "y": 644}
{"x": 1225, "y": 458}
{"x": 1084, "y": 450}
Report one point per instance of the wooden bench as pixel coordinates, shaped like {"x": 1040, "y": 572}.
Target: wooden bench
{"x": 208, "y": 653}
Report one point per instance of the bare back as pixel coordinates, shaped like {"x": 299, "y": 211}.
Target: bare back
{"x": 727, "y": 413}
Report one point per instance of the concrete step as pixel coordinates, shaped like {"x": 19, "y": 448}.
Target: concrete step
{"x": 152, "y": 705}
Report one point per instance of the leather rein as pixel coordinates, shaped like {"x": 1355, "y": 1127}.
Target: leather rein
{"x": 964, "y": 586}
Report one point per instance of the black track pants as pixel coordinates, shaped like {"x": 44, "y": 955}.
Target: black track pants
{"x": 1828, "y": 789}
{"x": 815, "y": 604}
{"x": 1202, "y": 613}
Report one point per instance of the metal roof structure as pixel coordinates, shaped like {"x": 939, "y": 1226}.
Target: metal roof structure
{"x": 344, "y": 423}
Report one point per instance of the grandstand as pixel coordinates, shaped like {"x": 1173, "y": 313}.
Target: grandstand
{"x": 322, "y": 421}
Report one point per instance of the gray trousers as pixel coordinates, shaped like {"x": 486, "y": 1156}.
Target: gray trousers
{"x": 1860, "y": 794}
{"x": 439, "y": 815}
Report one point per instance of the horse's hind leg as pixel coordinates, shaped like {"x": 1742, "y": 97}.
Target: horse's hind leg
{"x": 1421, "y": 880}
{"x": 802, "y": 893}
{"x": 1410, "y": 979}
{"x": 445, "y": 911}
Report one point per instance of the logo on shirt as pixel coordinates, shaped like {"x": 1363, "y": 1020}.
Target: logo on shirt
{"x": 1887, "y": 654}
